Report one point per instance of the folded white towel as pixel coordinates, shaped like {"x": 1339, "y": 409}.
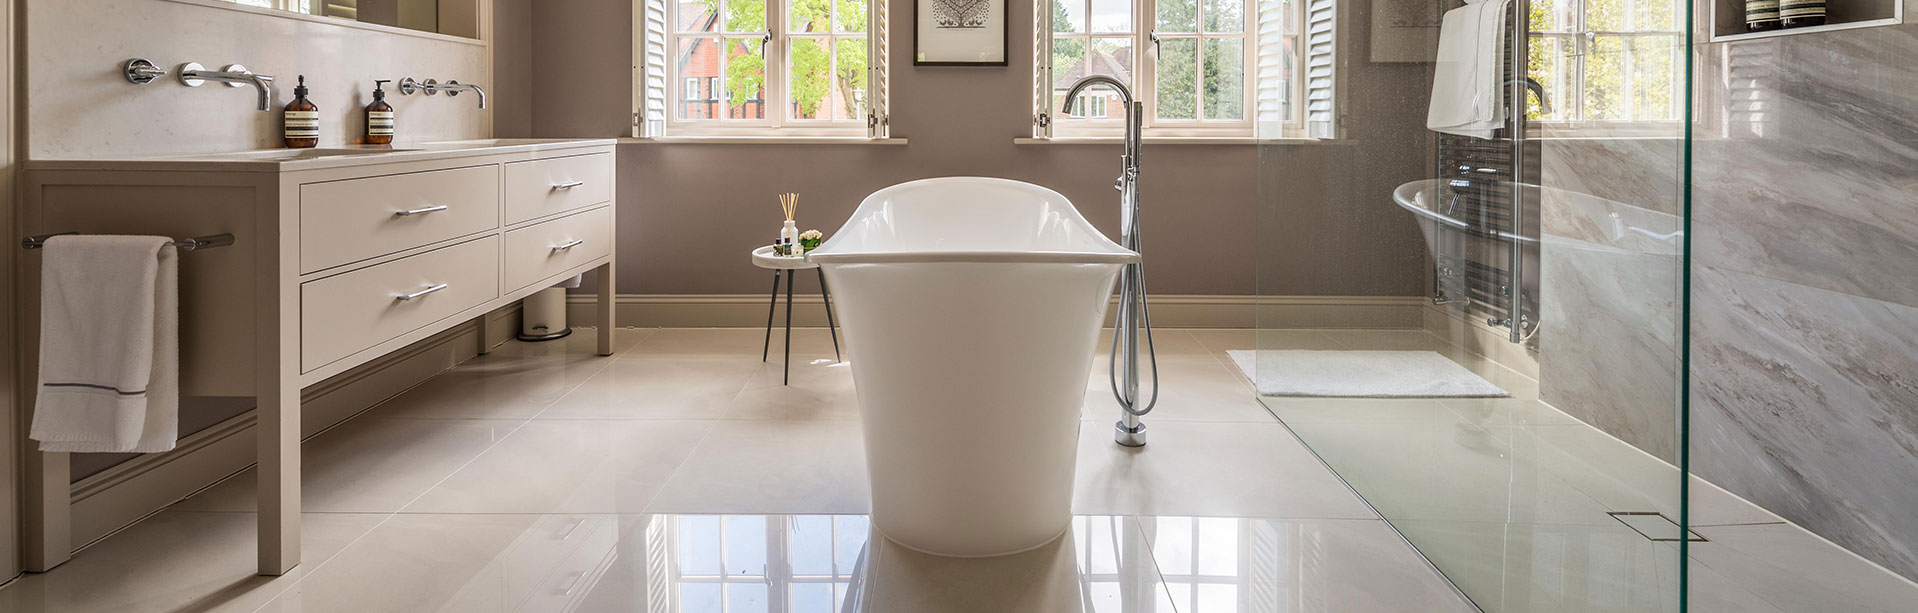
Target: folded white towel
{"x": 109, "y": 345}
{"x": 1467, "y": 96}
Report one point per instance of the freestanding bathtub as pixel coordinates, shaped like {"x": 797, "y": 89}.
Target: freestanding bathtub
{"x": 971, "y": 308}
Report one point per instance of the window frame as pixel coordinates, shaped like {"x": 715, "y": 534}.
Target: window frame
{"x": 1145, "y": 37}
{"x": 1572, "y": 107}
{"x": 776, "y": 41}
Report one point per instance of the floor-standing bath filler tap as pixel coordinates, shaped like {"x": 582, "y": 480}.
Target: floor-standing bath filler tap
{"x": 1133, "y": 316}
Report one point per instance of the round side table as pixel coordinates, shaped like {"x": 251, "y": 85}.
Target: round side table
{"x": 789, "y": 267}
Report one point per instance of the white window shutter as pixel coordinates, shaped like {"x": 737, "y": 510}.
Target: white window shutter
{"x": 650, "y": 119}
{"x": 1042, "y": 110}
{"x": 1321, "y": 68}
{"x": 1270, "y": 85}
{"x": 878, "y": 67}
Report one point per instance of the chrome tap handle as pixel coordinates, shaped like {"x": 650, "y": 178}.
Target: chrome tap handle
{"x": 139, "y": 71}
{"x": 408, "y": 85}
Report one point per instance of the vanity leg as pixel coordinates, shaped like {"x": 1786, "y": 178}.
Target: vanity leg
{"x": 276, "y": 391}
{"x": 279, "y": 473}
{"x": 47, "y": 540}
{"x": 606, "y": 297}
{"x": 486, "y": 340}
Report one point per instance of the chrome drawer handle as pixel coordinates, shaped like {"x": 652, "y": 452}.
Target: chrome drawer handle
{"x": 574, "y": 243}
{"x": 569, "y": 185}
{"x": 412, "y": 212}
{"x": 419, "y": 294}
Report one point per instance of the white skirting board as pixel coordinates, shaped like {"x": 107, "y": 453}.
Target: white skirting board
{"x": 115, "y": 498}
{"x": 1168, "y": 311}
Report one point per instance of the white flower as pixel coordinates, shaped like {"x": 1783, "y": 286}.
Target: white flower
{"x": 811, "y": 235}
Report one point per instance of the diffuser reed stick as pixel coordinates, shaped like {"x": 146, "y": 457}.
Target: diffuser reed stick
{"x": 789, "y": 232}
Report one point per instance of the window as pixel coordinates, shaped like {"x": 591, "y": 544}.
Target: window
{"x": 771, "y": 67}
{"x": 1235, "y": 68}
{"x": 741, "y": 563}
{"x": 1606, "y": 64}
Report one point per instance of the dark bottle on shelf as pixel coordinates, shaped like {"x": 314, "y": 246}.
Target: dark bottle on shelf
{"x": 302, "y": 120}
{"x": 1761, "y": 15}
{"x": 1801, "y": 13}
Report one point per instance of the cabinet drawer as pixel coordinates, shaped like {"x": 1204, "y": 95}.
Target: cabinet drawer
{"x": 346, "y": 313}
{"x": 543, "y": 187}
{"x": 342, "y": 222}
{"x": 551, "y": 247}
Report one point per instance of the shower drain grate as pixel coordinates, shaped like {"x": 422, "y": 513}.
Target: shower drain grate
{"x": 1654, "y": 526}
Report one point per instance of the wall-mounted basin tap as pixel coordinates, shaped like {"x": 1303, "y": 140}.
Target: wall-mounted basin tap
{"x": 430, "y": 87}
{"x": 233, "y": 75}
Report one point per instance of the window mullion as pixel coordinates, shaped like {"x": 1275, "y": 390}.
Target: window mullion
{"x": 1145, "y": 60}
{"x": 777, "y": 74}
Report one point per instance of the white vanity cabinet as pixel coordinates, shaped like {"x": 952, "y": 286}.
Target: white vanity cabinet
{"x": 338, "y": 258}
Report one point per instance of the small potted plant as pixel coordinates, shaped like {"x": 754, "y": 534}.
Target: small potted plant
{"x": 810, "y": 240}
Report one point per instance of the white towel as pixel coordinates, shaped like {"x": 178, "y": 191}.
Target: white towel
{"x": 109, "y": 345}
{"x": 1466, "y": 85}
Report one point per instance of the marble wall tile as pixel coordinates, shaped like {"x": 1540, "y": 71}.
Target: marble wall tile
{"x": 1642, "y": 172}
{"x": 1608, "y": 343}
{"x": 1816, "y": 184}
{"x": 1805, "y": 401}
{"x": 1609, "y": 285}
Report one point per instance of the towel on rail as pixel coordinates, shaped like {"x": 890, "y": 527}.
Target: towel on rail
{"x": 1467, "y": 84}
{"x": 109, "y": 345}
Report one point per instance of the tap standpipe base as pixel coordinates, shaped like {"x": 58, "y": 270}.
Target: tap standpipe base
{"x": 1128, "y": 436}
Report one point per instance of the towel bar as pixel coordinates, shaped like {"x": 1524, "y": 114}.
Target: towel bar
{"x": 198, "y": 242}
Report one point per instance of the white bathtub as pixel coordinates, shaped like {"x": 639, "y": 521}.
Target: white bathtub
{"x": 971, "y": 307}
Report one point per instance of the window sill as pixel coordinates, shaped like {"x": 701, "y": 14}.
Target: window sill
{"x": 1173, "y": 140}
{"x": 765, "y": 140}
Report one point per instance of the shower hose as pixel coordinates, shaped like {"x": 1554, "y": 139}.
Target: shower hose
{"x": 1131, "y": 297}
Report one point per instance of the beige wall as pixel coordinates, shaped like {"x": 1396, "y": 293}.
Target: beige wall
{"x": 691, "y": 211}
{"x": 79, "y": 105}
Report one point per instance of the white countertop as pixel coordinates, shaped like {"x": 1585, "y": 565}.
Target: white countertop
{"x": 288, "y": 160}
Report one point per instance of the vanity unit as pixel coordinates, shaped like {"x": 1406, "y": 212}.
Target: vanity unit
{"x": 337, "y": 257}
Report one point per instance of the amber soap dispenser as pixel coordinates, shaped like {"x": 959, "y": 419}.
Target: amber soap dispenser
{"x": 302, "y": 120}
{"x": 379, "y": 116}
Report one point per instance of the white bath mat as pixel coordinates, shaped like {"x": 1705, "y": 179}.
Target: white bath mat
{"x": 1362, "y": 374}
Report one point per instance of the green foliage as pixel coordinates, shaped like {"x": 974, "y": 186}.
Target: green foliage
{"x": 1625, "y": 77}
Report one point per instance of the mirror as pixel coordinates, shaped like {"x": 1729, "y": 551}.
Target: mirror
{"x": 455, "y": 17}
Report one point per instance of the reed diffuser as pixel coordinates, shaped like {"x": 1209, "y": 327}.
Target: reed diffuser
{"x": 789, "y": 233}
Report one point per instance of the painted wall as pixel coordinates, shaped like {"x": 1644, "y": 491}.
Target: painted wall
{"x": 1805, "y": 301}
{"x": 690, "y": 212}
{"x": 78, "y": 105}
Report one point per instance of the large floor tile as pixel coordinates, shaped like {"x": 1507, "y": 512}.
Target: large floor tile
{"x": 516, "y": 381}
{"x": 1100, "y": 566}
{"x": 1520, "y": 567}
{"x": 179, "y": 561}
{"x": 1190, "y": 390}
{"x": 1281, "y": 565}
{"x": 772, "y": 467}
{"x": 1456, "y": 472}
{"x": 657, "y": 388}
{"x": 808, "y": 344}
{"x": 1796, "y": 570}
{"x": 822, "y": 390}
{"x": 569, "y": 466}
{"x": 423, "y": 563}
{"x": 1313, "y": 410}
{"x": 369, "y": 464}
{"x": 1207, "y": 469}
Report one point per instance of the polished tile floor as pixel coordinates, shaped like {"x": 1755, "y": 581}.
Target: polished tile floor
{"x": 679, "y": 475}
